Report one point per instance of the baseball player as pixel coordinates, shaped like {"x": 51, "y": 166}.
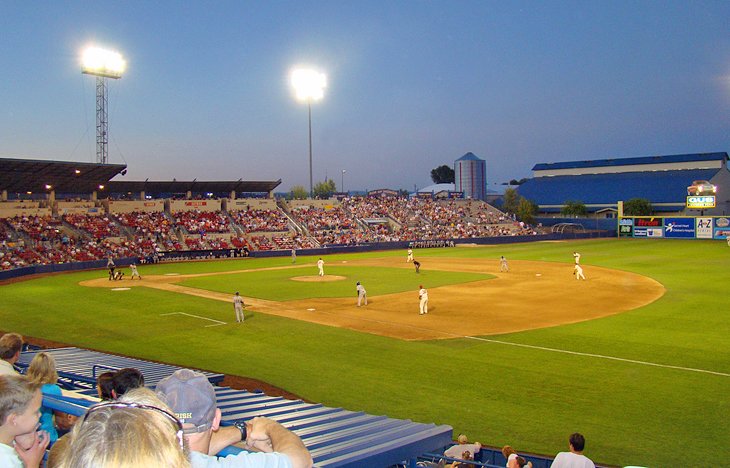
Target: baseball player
{"x": 238, "y": 307}
{"x": 417, "y": 264}
{"x": 576, "y": 256}
{"x": 361, "y": 294}
{"x": 578, "y": 272}
{"x": 410, "y": 255}
{"x": 503, "y": 264}
{"x": 423, "y": 297}
{"x": 111, "y": 266}
{"x": 294, "y": 255}
{"x": 133, "y": 267}
{"x": 320, "y": 265}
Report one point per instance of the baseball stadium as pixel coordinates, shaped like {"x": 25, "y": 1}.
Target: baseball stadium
{"x": 635, "y": 355}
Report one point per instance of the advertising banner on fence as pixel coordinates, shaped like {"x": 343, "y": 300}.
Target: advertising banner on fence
{"x": 679, "y": 227}
{"x": 703, "y": 228}
{"x": 648, "y": 227}
{"x": 626, "y": 227}
{"x": 722, "y": 228}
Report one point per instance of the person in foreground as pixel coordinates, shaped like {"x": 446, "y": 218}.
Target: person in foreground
{"x": 192, "y": 399}
{"x": 574, "y": 458}
{"x": 20, "y": 405}
{"x": 135, "y": 431}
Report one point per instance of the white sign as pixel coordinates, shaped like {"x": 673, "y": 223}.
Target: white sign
{"x": 698, "y": 202}
{"x": 703, "y": 228}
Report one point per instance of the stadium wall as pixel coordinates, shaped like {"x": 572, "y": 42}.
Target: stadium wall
{"x": 675, "y": 227}
{"x": 608, "y": 224}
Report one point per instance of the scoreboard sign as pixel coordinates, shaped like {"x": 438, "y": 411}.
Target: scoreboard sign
{"x": 701, "y": 201}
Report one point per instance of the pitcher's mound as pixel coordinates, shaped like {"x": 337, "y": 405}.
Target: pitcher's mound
{"x": 315, "y": 279}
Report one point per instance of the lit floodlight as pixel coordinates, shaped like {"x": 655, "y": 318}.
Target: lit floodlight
{"x": 77, "y": 172}
{"x": 101, "y": 187}
{"x": 100, "y": 62}
{"x": 308, "y": 84}
{"x": 48, "y": 187}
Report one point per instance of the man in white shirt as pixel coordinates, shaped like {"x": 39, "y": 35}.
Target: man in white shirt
{"x": 361, "y": 294}
{"x": 10, "y": 346}
{"x": 574, "y": 458}
{"x": 457, "y": 450}
{"x": 238, "y": 307}
{"x": 320, "y": 265}
{"x": 576, "y": 256}
{"x": 423, "y": 297}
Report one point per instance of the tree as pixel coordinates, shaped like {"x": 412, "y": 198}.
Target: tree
{"x": 298, "y": 193}
{"x": 526, "y": 210}
{"x": 443, "y": 175}
{"x": 324, "y": 189}
{"x": 573, "y": 208}
{"x": 638, "y": 207}
{"x": 510, "y": 200}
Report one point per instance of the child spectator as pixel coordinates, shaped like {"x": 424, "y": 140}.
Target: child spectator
{"x": 20, "y": 403}
{"x": 42, "y": 372}
{"x": 105, "y": 385}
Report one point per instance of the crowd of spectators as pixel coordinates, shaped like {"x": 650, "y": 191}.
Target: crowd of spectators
{"x": 261, "y": 220}
{"x": 32, "y": 240}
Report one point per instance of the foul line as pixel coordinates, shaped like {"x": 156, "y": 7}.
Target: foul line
{"x": 600, "y": 356}
{"x": 217, "y": 322}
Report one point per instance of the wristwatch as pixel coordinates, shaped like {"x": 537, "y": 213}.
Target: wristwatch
{"x": 241, "y": 425}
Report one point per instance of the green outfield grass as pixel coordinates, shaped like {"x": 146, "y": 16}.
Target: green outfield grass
{"x": 529, "y": 397}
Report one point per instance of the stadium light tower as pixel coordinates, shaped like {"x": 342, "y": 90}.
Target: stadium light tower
{"x": 102, "y": 64}
{"x": 309, "y": 86}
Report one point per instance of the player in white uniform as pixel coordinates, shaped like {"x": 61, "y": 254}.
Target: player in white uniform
{"x": 410, "y": 255}
{"x": 320, "y": 265}
{"x": 361, "y": 294}
{"x": 294, "y": 255}
{"x": 238, "y": 307}
{"x": 503, "y": 264}
{"x": 423, "y": 297}
{"x": 576, "y": 256}
{"x": 578, "y": 272}
{"x": 133, "y": 267}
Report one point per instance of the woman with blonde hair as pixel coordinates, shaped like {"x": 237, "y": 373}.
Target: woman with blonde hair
{"x": 42, "y": 371}
{"x": 138, "y": 430}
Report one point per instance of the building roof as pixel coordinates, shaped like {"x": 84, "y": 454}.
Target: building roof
{"x": 632, "y": 161}
{"x": 607, "y": 189}
{"x": 30, "y": 175}
{"x": 195, "y": 186}
{"x": 470, "y": 157}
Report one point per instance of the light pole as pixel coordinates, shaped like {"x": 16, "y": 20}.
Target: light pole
{"x": 309, "y": 86}
{"x": 342, "y": 185}
{"x": 103, "y": 64}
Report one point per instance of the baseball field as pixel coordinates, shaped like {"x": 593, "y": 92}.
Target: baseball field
{"x": 637, "y": 357}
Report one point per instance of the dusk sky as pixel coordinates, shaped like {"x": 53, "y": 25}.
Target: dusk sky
{"x": 412, "y": 85}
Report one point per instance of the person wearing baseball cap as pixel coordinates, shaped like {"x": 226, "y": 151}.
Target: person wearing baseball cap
{"x": 193, "y": 401}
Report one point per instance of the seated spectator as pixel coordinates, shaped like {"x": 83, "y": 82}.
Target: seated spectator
{"x": 125, "y": 433}
{"x": 20, "y": 403}
{"x": 105, "y": 385}
{"x": 125, "y": 380}
{"x": 466, "y": 456}
{"x": 192, "y": 398}
{"x": 574, "y": 458}
{"x": 10, "y": 346}
{"x": 463, "y": 445}
{"x": 42, "y": 372}
{"x": 513, "y": 459}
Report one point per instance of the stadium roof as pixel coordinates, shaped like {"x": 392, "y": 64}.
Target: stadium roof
{"x": 30, "y": 175}
{"x": 195, "y": 186}
{"x": 607, "y": 189}
{"x": 676, "y": 158}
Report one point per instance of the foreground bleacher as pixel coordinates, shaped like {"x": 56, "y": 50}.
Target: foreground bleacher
{"x": 335, "y": 437}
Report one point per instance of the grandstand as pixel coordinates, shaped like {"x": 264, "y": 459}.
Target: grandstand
{"x": 55, "y": 213}
{"x": 601, "y": 184}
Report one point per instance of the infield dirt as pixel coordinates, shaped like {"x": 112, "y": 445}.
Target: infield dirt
{"x": 531, "y": 295}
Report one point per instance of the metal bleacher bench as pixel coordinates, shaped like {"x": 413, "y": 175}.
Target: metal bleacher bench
{"x": 335, "y": 437}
